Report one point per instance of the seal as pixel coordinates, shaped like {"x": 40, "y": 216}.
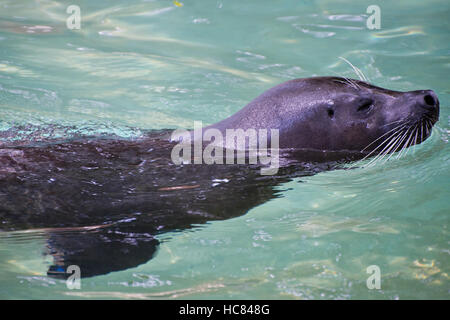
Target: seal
{"x": 339, "y": 114}
{"x": 103, "y": 202}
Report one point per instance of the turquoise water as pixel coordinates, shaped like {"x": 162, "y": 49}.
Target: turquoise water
{"x": 137, "y": 65}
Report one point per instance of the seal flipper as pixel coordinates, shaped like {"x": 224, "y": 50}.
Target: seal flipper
{"x": 98, "y": 252}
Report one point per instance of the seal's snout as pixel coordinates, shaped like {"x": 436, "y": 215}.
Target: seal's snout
{"x": 429, "y": 102}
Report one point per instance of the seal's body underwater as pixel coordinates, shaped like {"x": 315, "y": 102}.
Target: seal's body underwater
{"x": 116, "y": 195}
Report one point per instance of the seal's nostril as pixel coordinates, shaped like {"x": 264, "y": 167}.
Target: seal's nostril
{"x": 429, "y": 100}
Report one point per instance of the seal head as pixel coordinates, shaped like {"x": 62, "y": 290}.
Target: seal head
{"x": 339, "y": 114}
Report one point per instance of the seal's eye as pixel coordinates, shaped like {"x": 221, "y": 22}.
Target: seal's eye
{"x": 365, "y": 105}
{"x": 330, "y": 112}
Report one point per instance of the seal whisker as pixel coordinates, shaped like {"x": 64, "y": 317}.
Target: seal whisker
{"x": 406, "y": 145}
{"x": 382, "y": 143}
{"x": 386, "y": 140}
{"x": 388, "y": 124}
{"x": 429, "y": 126}
{"x": 426, "y": 128}
{"x": 391, "y": 141}
{"x": 415, "y": 140}
{"x": 357, "y": 70}
{"x": 381, "y": 154}
{"x": 421, "y": 130}
{"x": 386, "y": 149}
{"x": 396, "y": 146}
{"x": 348, "y": 81}
{"x": 382, "y": 136}
{"x": 352, "y": 83}
{"x": 355, "y": 85}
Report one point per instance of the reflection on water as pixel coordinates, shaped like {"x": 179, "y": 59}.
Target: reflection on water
{"x": 141, "y": 65}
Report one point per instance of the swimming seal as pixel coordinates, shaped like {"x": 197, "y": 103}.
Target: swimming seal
{"x": 103, "y": 202}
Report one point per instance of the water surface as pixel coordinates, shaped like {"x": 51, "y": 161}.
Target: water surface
{"x": 139, "y": 65}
